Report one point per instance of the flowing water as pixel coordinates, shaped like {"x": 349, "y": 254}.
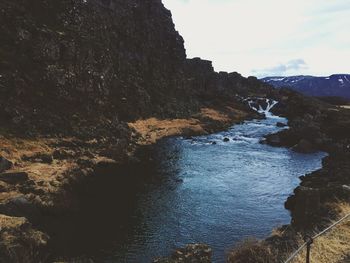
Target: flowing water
{"x": 206, "y": 190}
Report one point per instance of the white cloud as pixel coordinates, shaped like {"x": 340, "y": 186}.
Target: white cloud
{"x": 244, "y": 35}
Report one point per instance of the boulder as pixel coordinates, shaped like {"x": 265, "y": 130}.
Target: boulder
{"x": 281, "y": 124}
{"x": 273, "y": 139}
{"x": 60, "y": 154}
{"x": 306, "y": 207}
{"x": 18, "y": 206}
{"x": 304, "y": 146}
{"x": 14, "y": 177}
{"x": 226, "y": 139}
{"x": 38, "y": 157}
{"x": 20, "y": 241}
{"x": 5, "y": 164}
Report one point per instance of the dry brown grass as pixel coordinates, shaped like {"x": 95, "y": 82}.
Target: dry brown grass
{"x": 334, "y": 246}
{"x": 152, "y": 129}
{"x": 14, "y": 148}
{"x": 252, "y": 251}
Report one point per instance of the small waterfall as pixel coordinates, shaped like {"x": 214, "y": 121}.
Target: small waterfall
{"x": 261, "y": 105}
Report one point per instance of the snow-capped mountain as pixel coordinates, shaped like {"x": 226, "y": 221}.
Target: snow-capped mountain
{"x": 335, "y": 85}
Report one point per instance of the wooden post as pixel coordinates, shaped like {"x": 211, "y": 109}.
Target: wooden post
{"x": 309, "y": 242}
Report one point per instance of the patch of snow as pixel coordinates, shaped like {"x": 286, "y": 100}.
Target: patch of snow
{"x": 276, "y": 79}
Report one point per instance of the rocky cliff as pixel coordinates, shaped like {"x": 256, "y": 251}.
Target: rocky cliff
{"x": 66, "y": 64}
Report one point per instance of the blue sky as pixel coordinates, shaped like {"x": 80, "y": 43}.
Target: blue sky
{"x": 267, "y": 37}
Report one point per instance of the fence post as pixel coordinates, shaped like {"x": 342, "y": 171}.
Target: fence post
{"x": 309, "y": 242}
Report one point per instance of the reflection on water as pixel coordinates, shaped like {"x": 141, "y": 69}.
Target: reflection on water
{"x": 202, "y": 190}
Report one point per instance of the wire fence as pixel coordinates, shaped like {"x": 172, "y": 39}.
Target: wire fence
{"x": 310, "y": 239}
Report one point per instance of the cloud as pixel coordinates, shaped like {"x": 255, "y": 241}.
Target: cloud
{"x": 246, "y": 35}
{"x": 289, "y": 68}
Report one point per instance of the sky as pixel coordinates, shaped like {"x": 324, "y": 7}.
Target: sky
{"x": 267, "y": 37}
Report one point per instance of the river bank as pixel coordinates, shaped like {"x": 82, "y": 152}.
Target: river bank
{"x": 323, "y": 196}
{"x": 39, "y": 176}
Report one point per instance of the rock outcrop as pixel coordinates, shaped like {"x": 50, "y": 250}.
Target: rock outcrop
{"x": 315, "y": 125}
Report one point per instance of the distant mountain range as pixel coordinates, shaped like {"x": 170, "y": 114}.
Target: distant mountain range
{"x": 337, "y": 85}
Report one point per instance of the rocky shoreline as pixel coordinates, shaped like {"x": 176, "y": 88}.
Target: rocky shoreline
{"x": 314, "y": 126}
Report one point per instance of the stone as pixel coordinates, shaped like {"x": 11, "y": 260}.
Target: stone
{"x": 304, "y": 146}
{"x": 281, "y": 124}
{"x": 226, "y": 139}
{"x": 306, "y": 206}
{"x": 61, "y": 154}
{"x": 5, "y": 164}
{"x": 38, "y": 157}
{"x": 14, "y": 177}
{"x": 273, "y": 139}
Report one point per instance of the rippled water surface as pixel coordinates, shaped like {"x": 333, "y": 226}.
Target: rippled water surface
{"x": 218, "y": 193}
{"x": 206, "y": 190}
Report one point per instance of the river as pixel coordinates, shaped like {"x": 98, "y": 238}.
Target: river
{"x": 202, "y": 189}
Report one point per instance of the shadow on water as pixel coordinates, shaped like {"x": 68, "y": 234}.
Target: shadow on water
{"x": 107, "y": 217}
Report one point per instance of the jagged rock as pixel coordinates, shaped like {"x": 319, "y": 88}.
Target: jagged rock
{"x": 18, "y": 206}
{"x": 304, "y": 146}
{"x": 38, "y": 157}
{"x": 61, "y": 154}
{"x": 281, "y": 124}
{"x": 306, "y": 206}
{"x": 14, "y": 177}
{"x": 5, "y": 164}
{"x": 19, "y": 241}
{"x": 273, "y": 140}
{"x": 226, "y": 139}
{"x": 85, "y": 162}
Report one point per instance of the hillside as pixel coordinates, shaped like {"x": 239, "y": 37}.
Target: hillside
{"x": 333, "y": 86}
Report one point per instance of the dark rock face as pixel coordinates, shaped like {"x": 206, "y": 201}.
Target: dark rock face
{"x": 315, "y": 125}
